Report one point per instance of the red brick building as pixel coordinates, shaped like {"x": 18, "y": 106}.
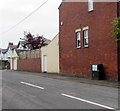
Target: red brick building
{"x": 86, "y": 39}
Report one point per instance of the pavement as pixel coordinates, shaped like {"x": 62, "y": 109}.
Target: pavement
{"x": 107, "y": 83}
{"x": 26, "y": 90}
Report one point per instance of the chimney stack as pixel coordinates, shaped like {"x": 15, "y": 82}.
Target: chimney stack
{"x": 10, "y": 43}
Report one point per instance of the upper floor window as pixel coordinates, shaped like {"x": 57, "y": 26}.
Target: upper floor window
{"x": 90, "y": 5}
{"x": 78, "y": 39}
{"x": 85, "y": 35}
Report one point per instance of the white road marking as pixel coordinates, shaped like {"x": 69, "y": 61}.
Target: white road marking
{"x": 90, "y": 102}
{"x": 31, "y": 85}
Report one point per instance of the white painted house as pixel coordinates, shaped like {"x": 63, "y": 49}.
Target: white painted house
{"x": 7, "y": 53}
{"x": 50, "y": 56}
{"x": 14, "y": 58}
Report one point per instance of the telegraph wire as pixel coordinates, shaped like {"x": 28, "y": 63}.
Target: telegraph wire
{"x": 24, "y": 18}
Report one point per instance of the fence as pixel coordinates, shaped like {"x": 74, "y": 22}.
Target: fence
{"x": 30, "y": 54}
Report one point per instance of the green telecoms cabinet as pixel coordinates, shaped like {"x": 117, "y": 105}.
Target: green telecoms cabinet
{"x": 97, "y": 72}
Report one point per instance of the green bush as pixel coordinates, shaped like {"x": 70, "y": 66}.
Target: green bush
{"x": 116, "y": 30}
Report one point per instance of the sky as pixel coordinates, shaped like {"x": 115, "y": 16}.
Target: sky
{"x": 44, "y": 21}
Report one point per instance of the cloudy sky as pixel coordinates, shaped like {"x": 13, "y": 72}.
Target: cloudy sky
{"x": 43, "y": 22}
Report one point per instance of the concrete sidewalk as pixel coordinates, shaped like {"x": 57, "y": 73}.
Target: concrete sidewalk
{"x": 106, "y": 83}
{"x": 67, "y": 77}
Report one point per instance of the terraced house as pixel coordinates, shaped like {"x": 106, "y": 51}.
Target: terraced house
{"x": 85, "y": 37}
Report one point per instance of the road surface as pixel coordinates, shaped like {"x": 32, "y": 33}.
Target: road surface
{"x": 22, "y": 90}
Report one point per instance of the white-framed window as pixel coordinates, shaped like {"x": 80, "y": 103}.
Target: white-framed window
{"x": 85, "y": 37}
{"x": 90, "y": 5}
{"x": 78, "y": 39}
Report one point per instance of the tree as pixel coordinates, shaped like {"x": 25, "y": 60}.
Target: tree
{"x": 116, "y": 30}
{"x": 116, "y": 34}
{"x": 32, "y": 42}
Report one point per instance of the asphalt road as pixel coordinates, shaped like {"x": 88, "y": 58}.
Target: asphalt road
{"x": 21, "y": 90}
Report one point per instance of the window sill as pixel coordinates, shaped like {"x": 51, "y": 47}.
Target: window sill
{"x": 82, "y": 47}
{"x": 90, "y": 11}
{"x": 85, "y": 47}
{"x": 78, "y": 47}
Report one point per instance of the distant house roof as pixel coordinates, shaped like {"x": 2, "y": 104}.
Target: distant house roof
{"x": 22, "y": 43}
{"x": 11, "y": 46}
{"x": 4, "y": 51}
{"x": 47, "y": 41}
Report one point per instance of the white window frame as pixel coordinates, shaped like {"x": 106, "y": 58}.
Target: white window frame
{"x": 78, "y": 39}
{"x": 90, "y": 5}
{"x": 85, "y": 37}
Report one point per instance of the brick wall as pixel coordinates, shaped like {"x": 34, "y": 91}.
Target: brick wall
{"x": 30, "y": 61}
{"x": 102, "y": 48}
{"x": 32, "y": 65}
